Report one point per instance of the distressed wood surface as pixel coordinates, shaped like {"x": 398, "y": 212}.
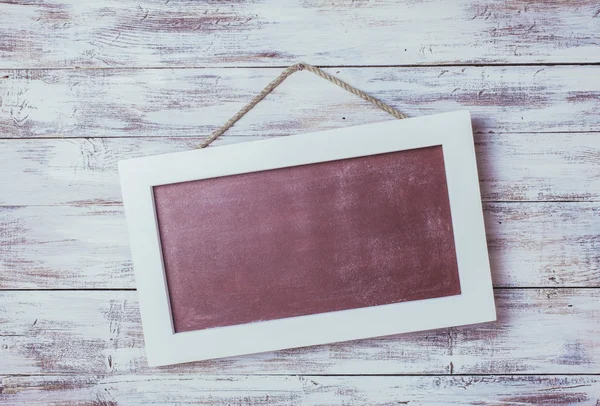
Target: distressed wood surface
{"x": 512, "y": 167}
{"x": 68, "y": 33}
{"x": 193, "y": 102}
{"x": 539, "y": 331}
{"x": 563, "y": 251}
{"x": 84, "y": 84}
{"x": 175, "y": 389}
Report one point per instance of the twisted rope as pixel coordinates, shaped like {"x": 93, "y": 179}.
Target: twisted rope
{"x": 283, "y": 76}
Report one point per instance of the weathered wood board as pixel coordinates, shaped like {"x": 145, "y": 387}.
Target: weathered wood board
{"x": 66, "y": 247}
{"x": 176, "y": 389}
{"x": 539, "y": 331}
{"x": 112, "y": 33}
{"x": 193, "y": 102}
{"x": 512, "y": 167}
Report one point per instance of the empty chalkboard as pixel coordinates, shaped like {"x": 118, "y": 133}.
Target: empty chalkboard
{"x": 308, "y": 239}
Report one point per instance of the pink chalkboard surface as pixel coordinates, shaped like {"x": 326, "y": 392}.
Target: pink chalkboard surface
{"x": 309, "y": 239}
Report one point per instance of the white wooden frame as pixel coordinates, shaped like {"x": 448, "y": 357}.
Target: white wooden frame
{"x": 475, "y": 304}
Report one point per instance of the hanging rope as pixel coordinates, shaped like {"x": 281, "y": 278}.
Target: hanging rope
{"x": 283, "y": 76}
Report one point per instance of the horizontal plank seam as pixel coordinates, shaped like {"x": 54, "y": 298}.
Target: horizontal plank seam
{"x": 169, "y": 374}
{"x": 192, "y": 137}
{"x": 134, "y": 289}
{"x": 476, "y": 65}
{"x": 447, "y": 374}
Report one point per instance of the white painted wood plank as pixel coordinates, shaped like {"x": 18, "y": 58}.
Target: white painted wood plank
{"x": 193, "y": 102}
{"x": 543, "y": 244}
{"x": 176, "y": 389}
{"x": 68, "y": 33}
{"x": 542, "y": 167}
{"x": 522, "y": 167}
{"x": 70, "y": 247}
{"x": 97, "y": 333}
{"x": 60, "y": 247}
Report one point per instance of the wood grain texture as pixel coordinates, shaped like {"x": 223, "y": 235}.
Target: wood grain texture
{"x": 68, "y": 33}
{"x": 70, "y": 247}
{"x": 155, "y": 78}
{"x": 512, "y": 167}
{"x": 175, "y": 389}
{"x": 194, "y": 102}
{"x": 538, "y": 331}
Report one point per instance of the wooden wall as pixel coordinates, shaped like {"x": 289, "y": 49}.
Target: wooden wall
{"x": 86, "y": 83}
